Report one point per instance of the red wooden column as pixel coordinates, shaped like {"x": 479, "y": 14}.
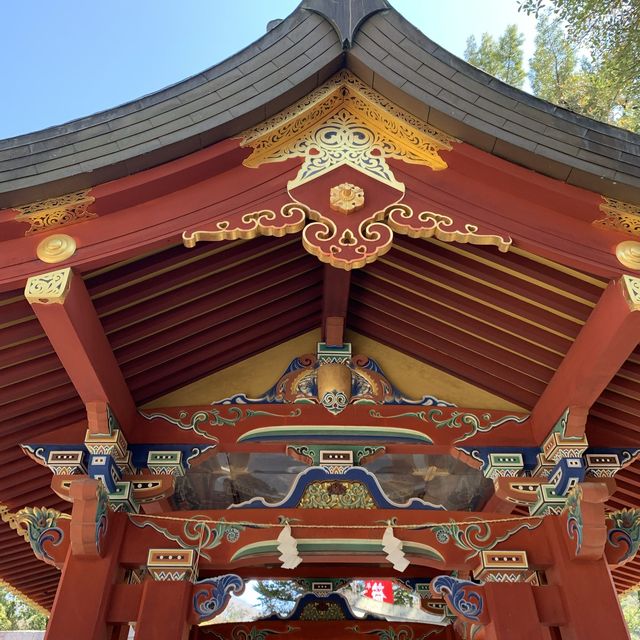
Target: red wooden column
{"x": 591, "y": 605}
{"x": 513, "y": 612}
{"x": 164, "y": 610}
{"x": 335, "y": 303}
{"x": 81, "y": 603}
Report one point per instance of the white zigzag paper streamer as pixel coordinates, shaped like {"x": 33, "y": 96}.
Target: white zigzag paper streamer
{"x": 393, "y": 548}
{"x": 288, "y": 548}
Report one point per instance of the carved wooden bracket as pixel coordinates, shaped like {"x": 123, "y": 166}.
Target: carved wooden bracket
{"x": 89, "y": 518}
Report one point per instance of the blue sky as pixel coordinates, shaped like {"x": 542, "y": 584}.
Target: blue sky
{"x": 64, "y": 59}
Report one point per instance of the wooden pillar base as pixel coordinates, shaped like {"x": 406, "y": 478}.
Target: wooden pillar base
{"x": 81, "y": 603}
{"x": 164, "y": 611}
{"x": 589, "y": 596}
{"x": 513, "y": 612}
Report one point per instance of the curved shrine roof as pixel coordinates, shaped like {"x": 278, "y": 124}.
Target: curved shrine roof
{"x": 374, "y": 41}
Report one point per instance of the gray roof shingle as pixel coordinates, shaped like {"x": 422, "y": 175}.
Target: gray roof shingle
{"x": 290, "y": 60}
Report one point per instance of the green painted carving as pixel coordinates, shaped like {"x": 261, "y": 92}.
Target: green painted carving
{"x": 470, "y": 421}
{"x": 575, "y": 523}
{"x": 242, "y": 632}
{"x": 329, "y": 433}
{"x": 294, "y": 413}
{"x": 39, "y": 526}
{"x": 561, "y": 425}
{"x": 112, "y": 421}
{"x": 457, "y": 420}
{"x": 391, "y": 633}
{"x": 477, "y": 536}
{"x": 197, "y": 533}
{"x": 191, "y": 422}
{"x": 624, "y": 533}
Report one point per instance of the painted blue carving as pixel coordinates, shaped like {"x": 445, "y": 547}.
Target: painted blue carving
{"x": 307, "y": 387}
{"x": 575, "y": 523}
{"x": 311, "y": 599}
{"x": 102, "y": 517}
{"x": 210, "y": 596}
{"x": 41, "y": 525}
{"x": 396, "y": 395}
{"x": 625, "y": 533}
{"x": 274, "y": 395}
{"x": 623, "y": 455}
{"x": 353, "y": 474}
{"x": 463, "y": 596}
{"x": 566, "y": 474}
{"x": 103, "y": 467}
{"x": 139, "y": 453}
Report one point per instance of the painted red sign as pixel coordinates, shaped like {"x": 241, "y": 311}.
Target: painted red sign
{"x": 380, "y": 590}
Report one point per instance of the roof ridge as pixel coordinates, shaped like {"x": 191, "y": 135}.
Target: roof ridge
{"x": 346, "y": 16}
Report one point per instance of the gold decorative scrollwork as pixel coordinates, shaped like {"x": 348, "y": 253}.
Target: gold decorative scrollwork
{"x": 49, "y": 288}
{"x": 346, "y": 242}
{"x": 620, "y": 216}
{"x": 56, "y": 212}
{"x": 335, "y": 494}
{"x": 289, "y": 219}
{"x": 426, "y": 224}
{"x": 345, "y": 247}
{"x": 344, "y": 122}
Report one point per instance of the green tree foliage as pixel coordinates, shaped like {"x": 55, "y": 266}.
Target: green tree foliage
{"x": 609, "y": 29}
{"x": 502, "y": 59}
{"x": 277, "y": 596}
{"x": 552, "y": 68}
{"x": 558, "y": 74}
{"x": 17, "y": 615}
{"x": 630, "y": 604}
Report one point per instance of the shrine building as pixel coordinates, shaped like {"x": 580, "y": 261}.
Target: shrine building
{"x": 341, "y": 307}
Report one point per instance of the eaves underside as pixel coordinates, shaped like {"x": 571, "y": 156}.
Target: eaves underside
{"x": 175, "y": 316}
{"x": 288, "y": 62}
